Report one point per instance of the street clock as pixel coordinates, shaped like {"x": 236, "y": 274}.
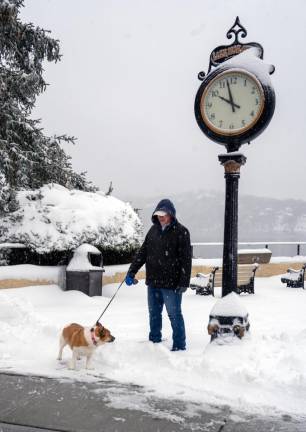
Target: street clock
{"x": 234, "y": 104}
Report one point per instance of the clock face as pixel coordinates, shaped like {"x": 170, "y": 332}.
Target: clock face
{"x": 232, "y": 102}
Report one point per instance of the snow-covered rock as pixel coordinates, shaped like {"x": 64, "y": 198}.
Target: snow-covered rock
{"x": 55, "y": 218}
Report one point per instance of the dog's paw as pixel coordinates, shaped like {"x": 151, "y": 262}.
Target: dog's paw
{"x": 90, "y": 367}
{"x": 71, "y": 366}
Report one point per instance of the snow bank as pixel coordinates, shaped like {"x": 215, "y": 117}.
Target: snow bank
{"x": 12, "y": 245}
{"x": 120, "y": 268}
{"x": 264, "y": 372}
{"x": 297, "y": 258}
{"x": 32, "y": 272}
{"x": 56, "y": 218}
{"x": 213, "y": 262}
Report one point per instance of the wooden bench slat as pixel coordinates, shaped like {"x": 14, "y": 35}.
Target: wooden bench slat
{"x": 240, "y": 281}
{"x": 245, "y": 279}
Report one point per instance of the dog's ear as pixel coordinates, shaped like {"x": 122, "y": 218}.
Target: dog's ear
{"x": 101, "y": 332}
{"x": 98, "y": 324}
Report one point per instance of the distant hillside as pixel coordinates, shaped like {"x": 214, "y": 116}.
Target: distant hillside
{"x": 260, "y": 219}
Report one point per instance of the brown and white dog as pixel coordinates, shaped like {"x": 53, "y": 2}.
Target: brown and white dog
{"x": 83, "y": 341}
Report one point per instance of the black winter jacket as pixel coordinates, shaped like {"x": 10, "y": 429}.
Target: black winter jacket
{"x": 167, "y": 255}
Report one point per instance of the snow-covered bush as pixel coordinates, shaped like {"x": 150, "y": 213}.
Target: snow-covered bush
{"x": 52, "y": 221}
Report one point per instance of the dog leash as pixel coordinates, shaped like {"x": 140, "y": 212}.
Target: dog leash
{"x": 134, "y": 283}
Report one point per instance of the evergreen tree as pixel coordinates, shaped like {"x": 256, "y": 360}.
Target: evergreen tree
{"x": 28, "y": 158}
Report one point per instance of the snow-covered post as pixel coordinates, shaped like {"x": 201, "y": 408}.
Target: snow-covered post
{"x": 232, "y": 163}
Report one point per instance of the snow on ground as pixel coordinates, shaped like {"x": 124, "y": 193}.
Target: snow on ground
{"x": 264, "y": 372}
{"x": 53, "y": 273}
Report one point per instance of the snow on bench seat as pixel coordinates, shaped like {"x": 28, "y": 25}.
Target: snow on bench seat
{"x": 294, "y": 278}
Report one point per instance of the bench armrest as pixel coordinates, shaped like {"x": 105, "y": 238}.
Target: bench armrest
{"x": 203, "y": 275}
{"x": 255, "y": 267}
{"x": 214, "y": 270}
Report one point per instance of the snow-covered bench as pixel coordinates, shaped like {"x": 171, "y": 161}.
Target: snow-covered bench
{"x": 294, "y": 278}
{"x": 204, "y": 284}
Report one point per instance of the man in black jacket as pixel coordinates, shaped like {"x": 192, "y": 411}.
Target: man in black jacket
{"x": 166, "y": 252}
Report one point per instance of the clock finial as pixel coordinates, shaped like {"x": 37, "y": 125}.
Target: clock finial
{"x": 223, "y": 53}
{"x": 235, "y": 30}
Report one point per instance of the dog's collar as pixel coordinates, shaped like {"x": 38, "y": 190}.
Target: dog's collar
{"x": 92, "y": 333}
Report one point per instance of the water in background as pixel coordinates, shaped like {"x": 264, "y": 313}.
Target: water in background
{"x": 206, "y": 251}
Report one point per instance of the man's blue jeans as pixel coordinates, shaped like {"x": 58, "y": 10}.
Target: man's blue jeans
{"x": 157, "y": 297}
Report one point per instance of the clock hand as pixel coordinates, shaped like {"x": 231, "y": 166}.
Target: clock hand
{"x": 228, "y": 101}
{"x": 230, "y": 96}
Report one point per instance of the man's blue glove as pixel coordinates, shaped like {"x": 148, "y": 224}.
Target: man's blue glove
{"x": 129, "y": 280}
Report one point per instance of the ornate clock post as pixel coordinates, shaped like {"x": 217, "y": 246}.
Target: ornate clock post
{"x": 233, "y": 105}
{"x": 232, "y": 164}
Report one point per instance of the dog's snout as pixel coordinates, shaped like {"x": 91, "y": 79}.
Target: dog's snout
{"x": 112, "y": 339}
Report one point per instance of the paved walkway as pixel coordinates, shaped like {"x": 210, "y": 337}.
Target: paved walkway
{"x": 43, "y": 404}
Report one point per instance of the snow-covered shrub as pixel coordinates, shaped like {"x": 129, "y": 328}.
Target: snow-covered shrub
{"x": 52, "y": 221}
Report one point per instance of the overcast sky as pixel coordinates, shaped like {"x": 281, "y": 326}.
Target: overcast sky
{"x": 127, "y": 81}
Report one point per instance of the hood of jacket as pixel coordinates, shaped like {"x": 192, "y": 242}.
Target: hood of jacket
{"x": 167, "y": 206}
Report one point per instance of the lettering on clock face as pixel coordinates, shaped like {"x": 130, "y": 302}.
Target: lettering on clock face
{"x": 232, "y": 103}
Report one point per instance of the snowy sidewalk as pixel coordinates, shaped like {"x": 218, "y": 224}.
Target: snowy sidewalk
{"x": 262, "y": 375}
{"x": 48, "y": 404}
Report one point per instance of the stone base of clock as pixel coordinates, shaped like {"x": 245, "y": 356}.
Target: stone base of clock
{"x": 227, "y": 327}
